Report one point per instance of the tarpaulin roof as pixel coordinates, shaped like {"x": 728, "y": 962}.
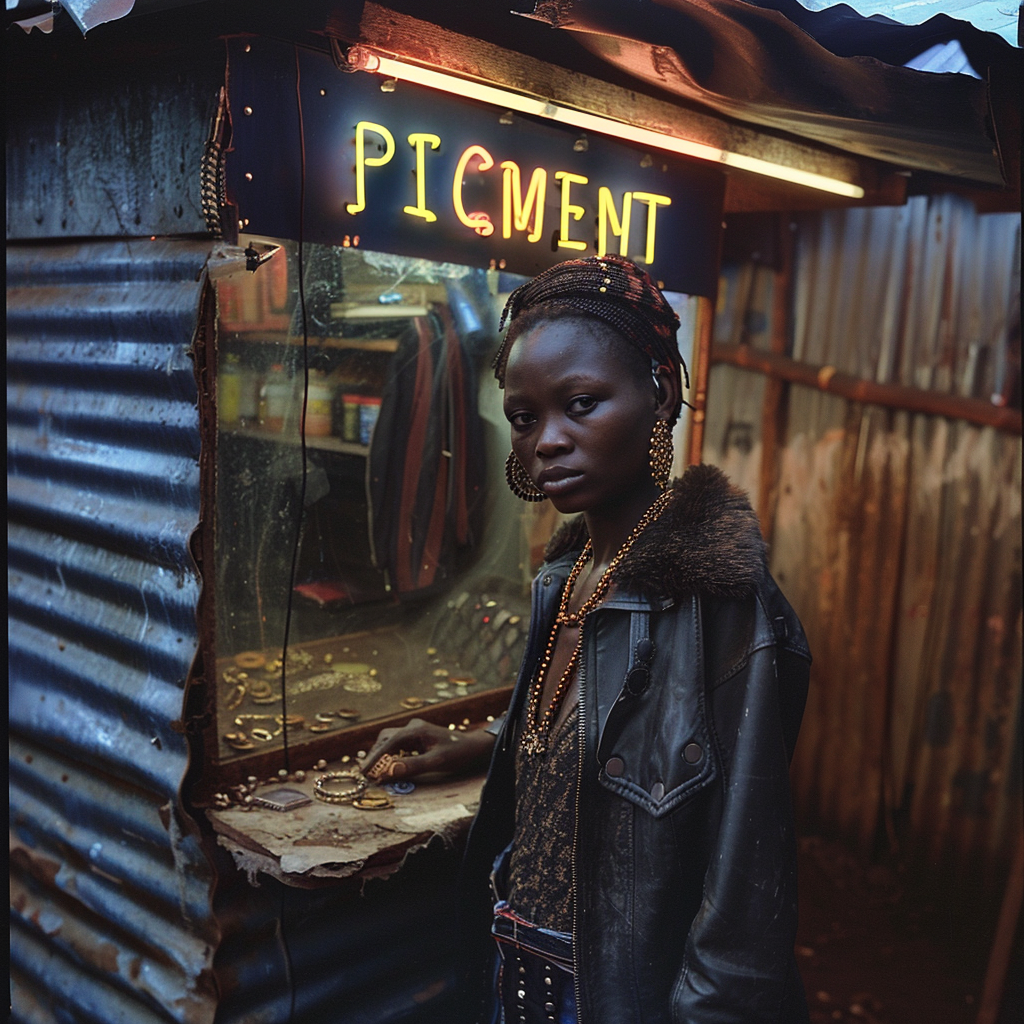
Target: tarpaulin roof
{"x": 831, "y": 76}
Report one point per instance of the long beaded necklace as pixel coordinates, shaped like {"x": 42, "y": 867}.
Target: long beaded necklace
{"x": 538, "y": 725}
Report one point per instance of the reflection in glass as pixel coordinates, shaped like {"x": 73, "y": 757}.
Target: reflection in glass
{"x": 411, "y": 582}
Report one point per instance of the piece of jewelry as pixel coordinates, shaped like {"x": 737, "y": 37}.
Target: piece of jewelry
{"x": 250, "y": 659}
{"x": 373, "y": 802}
{"x": 263, "y": 735}
{"x": 236, "y": 698}
{"x": 538, "y": 724}
{"x": 661, "y": 453}
{"x": 329, "y": 796}
{"x": 520, "y": 482}
{"x": 384, "y": 766}
{"x": 361, "y": 684}
{"x": 260, "y": 688}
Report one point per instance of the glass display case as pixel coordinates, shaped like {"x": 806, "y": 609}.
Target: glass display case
{"x": 370, "y": 560}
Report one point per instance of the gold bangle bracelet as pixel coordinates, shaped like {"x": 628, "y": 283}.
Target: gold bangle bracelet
{"x": 344, "y": 796}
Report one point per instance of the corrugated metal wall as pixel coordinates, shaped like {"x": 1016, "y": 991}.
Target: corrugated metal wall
{"x": 897, "y": 537}
{"x": 110, "y": 891}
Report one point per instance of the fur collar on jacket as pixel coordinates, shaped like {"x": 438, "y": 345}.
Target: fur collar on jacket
{"x": 707, "y": 541}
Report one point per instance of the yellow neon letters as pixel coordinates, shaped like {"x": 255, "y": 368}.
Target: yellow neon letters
{"x": 517, "y": 210}
{"x": 363, "y": 161}
{"x": 653, "y": 202}
{"x": 607, "y": 217}
{"x": 569, "y": 209}
{"x": 480, "y": 223}
{"x": 417, "y": 140}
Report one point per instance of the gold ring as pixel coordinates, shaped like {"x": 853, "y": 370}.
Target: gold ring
{"x": 250, "y": 659}
{"x": 263, "y": 735}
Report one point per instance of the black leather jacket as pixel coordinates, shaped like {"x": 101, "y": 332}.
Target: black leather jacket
{"x": 693, "y": 678}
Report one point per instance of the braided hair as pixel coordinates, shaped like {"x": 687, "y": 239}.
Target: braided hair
{"x": 609, "y": 289}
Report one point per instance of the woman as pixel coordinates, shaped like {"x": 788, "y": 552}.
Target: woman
{"x": 636, "y": 822}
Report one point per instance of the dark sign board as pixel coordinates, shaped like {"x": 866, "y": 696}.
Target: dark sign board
{"x": 396, "y": 167}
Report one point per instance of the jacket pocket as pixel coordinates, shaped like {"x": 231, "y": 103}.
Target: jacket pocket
{"x": 655, "y": 750}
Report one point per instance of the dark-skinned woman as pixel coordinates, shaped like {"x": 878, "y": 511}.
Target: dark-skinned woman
{"x": 634, "y": 853}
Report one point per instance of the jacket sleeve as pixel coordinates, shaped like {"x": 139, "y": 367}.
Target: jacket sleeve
{"x": 739, "y": 965}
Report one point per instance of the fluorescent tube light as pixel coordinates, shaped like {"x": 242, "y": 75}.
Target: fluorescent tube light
{"x": 360, "y": 58}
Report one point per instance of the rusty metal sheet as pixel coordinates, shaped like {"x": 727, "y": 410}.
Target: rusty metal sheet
{"x": 110, "y": 889}
{"x": 897, "y": 536}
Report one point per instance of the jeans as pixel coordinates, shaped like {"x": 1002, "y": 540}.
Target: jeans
{"x": 535, "y": 982}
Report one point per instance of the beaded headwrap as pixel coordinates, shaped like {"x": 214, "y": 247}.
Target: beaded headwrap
{"x": 611, "y": 289}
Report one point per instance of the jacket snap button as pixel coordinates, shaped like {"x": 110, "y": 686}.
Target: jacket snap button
{"x": 692, "y": 753}
{"x": 658, "y": 790}
{"x": 546, "y": 581}
{"x": 614, "y": 767}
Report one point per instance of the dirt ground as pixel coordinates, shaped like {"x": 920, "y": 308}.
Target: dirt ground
{"x": 870, "y": 953}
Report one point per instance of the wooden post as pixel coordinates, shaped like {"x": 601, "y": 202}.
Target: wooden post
{"x": 705, "y": 330}
{"x": 776, "y": 396}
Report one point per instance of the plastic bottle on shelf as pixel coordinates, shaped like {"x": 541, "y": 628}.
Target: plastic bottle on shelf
{"x": 369, "y": 410}
{"x": 318, "y": 407}
{"x": 275, "y": 398}
{"x": 229, "y": 390}
{"x": 249, "y": 395}
{"x": 350, "y": 417}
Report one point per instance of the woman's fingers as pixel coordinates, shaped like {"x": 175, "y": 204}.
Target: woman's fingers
{"x": 392, "y": 740}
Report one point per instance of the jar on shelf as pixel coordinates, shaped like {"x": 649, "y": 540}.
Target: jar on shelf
{"x": 229, "y": 391}
{"x": 369, "y": 410}
{"x": 318, "y": 408}
{"x": 350, "y": 404}
{"x": 248, "y": 395}
{"x": 275, "y": 398}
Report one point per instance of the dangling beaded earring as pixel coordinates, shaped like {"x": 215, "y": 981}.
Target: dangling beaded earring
{"x": 661, "y": 452}
{"x": 519, "y": 481}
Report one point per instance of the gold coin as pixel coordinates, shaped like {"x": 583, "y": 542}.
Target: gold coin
{"x": 441, "y": 673}
{"x": 242, "y": 745}
{"x": 372, "y": 803}
{"x": 362, "y": 684}
{"x": 431, "y": 650}
{"x": 260, "y": 689}
{"x": 349, "y": 714}
{"x": 271, "y": 698}
{"x": 250, "y": 659}
{"x": 412, "y": 702}
{"x": 463, "y": 680}
{"x": 319, "y": 726}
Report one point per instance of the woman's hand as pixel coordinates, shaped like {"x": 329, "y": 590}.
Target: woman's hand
{"x": 437, "y": 750}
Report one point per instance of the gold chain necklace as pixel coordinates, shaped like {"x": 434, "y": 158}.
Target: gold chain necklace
{"x": 538, "y": 725}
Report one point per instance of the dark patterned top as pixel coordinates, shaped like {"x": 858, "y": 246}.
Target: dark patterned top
{"x": 540, "y": 871}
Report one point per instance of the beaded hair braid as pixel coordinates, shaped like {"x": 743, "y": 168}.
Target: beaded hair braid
{"x": 611, "y": 289}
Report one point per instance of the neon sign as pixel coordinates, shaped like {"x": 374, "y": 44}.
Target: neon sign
{"x": 413, "y": 171}
{"x": 518, "y": 212}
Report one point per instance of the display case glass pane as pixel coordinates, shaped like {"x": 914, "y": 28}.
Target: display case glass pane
{"x": 392, "y": 552}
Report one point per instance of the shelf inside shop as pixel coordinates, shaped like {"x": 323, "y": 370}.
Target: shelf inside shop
{"x": 321, "y": 443}
{"x": 282, "y": 338}
{"x": 369, "y": 311}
